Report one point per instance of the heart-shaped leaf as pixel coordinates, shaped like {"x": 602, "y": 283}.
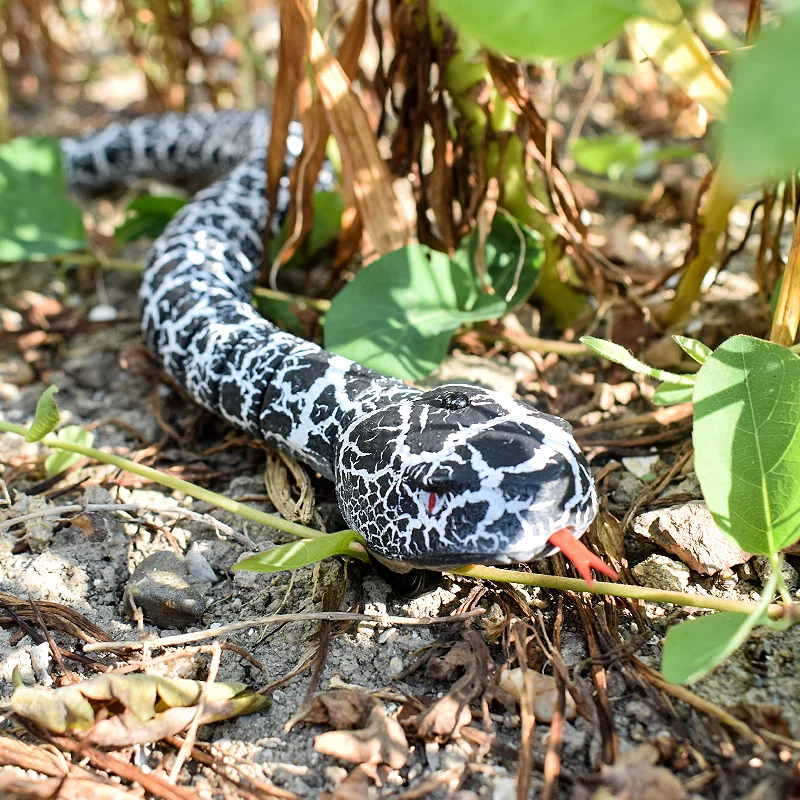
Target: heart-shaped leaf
{"x": 747, "y": 442}
{"x": 398, "y": 314}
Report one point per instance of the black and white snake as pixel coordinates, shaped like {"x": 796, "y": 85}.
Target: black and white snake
{"x": 453, "y": 476}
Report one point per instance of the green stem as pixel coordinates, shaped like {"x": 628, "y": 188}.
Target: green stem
{"x": 776, "y": 610}
{"x": 97, "y": 262}
{"x": 198, "y": 492}
{"x": 776, "y": 561}
{"x": 318, "y": 304}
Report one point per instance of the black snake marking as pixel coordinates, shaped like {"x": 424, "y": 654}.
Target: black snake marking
{"x": 453, "y": 476}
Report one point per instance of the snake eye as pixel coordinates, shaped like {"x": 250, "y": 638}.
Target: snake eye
{"x": 454, "y": 401}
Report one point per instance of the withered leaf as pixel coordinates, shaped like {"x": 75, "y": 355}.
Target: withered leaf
{"x": 382, "y": 741}
{"x": 635, "y": 776}
{"x": 545, "y": 692}
{"x": 119, "y": 710}
{"x": 304, "y": 173}
{"x": 445, "y": 718}
{"x": 364, "y": 168}
{"x": 341, "y": 709}
{"x": 296, "y": 20}
{"x": 16, "y": 787}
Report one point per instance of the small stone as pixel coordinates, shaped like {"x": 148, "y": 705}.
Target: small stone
{"x": 16, "y": 371}
{"x": 460, "y": 368}
{"x": 505, "y": 788}
{"x": 689, "y": 532}
{"x": 627, "y": 488}
{"x": 545, "y": 693}
{"x": 102, "y": 313}
{"x": 198, "y": 566}
{"x": 523, "y": 365}
{"x": 661, "y": 572}
{"x": 640, "y": 466}
{"x": 334, "y": 775}
{"x": 763, "y": 568}
{"x": 160, "y": 587}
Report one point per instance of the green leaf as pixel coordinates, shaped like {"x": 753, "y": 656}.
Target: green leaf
{"x": 36, "y": 219}
{"x": 306, "y": 551}
{"x": 59, "y": 460}
{"x": 762, "y": 136}
{"x": 670, "y": 393}
{"x": 542, "y": 28}
{"x": 398, "y": 314}
{"x": 328, "y": 208}
{"x": 148, "y": 215}
{"x": 747, "y": 442}
{"x": 513, "y": 256}
{"x": 46, "y": 417}
{"x": 619, "y": 355}
{"x": 608, "y": 155}
{"x": 280, "y": 310}
{"x": 694, "y": 647}
{"x": 694, "y": 349}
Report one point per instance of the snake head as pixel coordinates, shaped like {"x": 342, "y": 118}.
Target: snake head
{"x": 462, "y": 475}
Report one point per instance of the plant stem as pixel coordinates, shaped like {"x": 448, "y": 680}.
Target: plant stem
{"x": 318, "y": 304}
{"x": 712, "y": 222}
{"x": 198, "y": 492}
{"x": 97, "y": 262}
{"x": 776, "y": 561}
{"x": 776, "y": 610}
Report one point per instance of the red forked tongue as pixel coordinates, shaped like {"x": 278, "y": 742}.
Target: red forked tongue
{"x": 580, "y": 555}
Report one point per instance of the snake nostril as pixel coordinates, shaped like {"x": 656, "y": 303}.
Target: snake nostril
{"x": 455, "y": 400}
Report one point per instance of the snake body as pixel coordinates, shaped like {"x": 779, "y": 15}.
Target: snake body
{"x": 433, "y": 479}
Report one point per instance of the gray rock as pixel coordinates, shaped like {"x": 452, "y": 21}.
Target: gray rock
{"x": 763, "y": 569}
{"x": 689, "y": 532}
{"x": 160, "y": 587}
{"x": 198, "y": 566}
{"x": 460, "y": 368}
{"x": 661, "y": 572}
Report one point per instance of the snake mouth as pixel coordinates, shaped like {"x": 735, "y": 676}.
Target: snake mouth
{"x": 580, "y": 555}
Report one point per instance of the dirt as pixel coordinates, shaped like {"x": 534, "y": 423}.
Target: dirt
{"x": 87, "y": 570}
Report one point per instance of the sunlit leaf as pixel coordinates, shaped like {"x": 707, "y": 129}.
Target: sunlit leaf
{"x": 59, "y": 460}
{"x": 147, "y": 216}
{"x": 303, "y": 552}
{"x": 398, "y": 314}
{"x": 762, "y": 135}
{"x": 694, "y": 349}
{"x": 694, "y": 647}
{"x": 46, "y": 417}
{"x": 747, "y": 442}
{"x": 608, "y": 155}
{"x": 542, "y": 28}
{"x": 669, "y": 394}
{"x": 36, "y": 219}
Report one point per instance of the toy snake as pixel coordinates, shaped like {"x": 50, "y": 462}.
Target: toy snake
{"x": 453, "y": 476}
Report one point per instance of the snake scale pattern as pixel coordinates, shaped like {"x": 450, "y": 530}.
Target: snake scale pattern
{"x": 435, "y": 479}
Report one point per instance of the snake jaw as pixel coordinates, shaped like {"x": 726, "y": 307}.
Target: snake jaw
{"x": 580, "y": 555}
